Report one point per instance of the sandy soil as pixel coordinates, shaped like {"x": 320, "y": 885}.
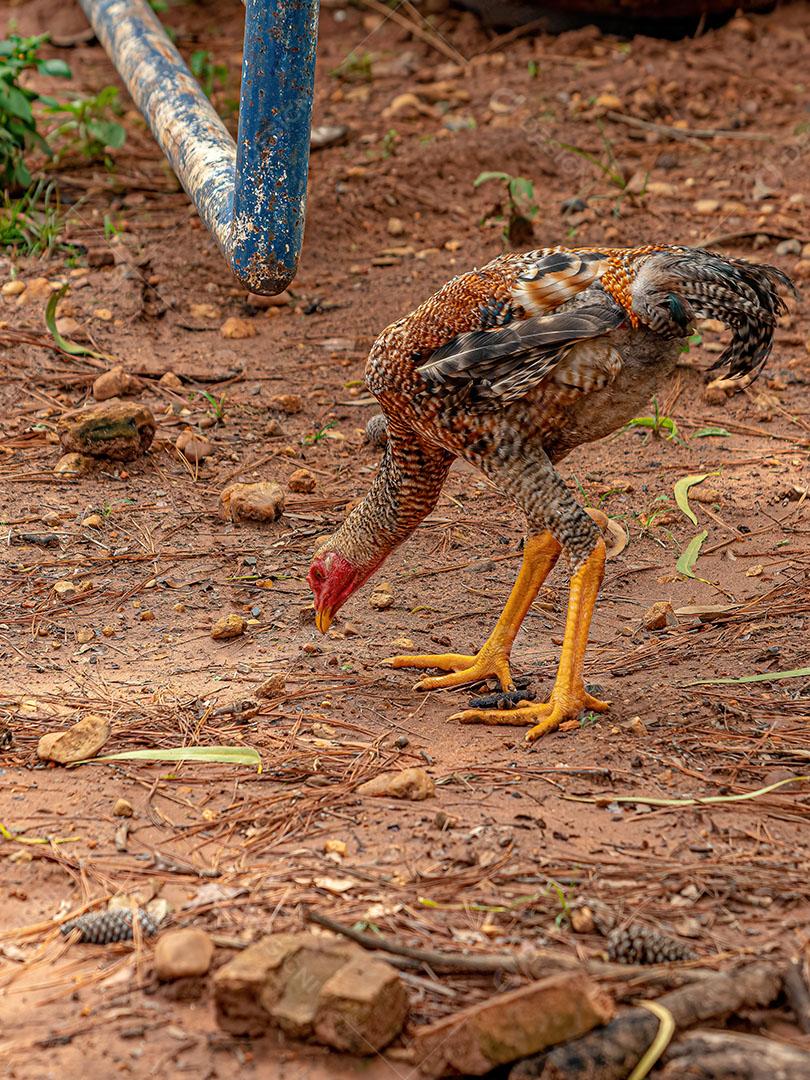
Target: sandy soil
{"x": 496, "y": 859}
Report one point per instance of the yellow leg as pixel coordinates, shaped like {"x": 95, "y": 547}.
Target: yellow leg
{"x": 539, "y": 556}
{"x": 568, "y": 697}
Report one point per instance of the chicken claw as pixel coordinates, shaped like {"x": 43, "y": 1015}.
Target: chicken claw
{"x": 464, "y": 669}
{"x": 544, "y": 717}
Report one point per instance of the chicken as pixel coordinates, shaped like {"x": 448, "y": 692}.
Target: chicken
{"x": 510, "y": 367}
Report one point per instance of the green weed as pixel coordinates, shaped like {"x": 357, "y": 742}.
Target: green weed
{"x": 18, "y": 126}
{"x": 34, "y": 223}
{"x": 517, "y": 208}
{"x": 89, "y": 127}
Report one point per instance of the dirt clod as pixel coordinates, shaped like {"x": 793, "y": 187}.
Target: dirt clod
{"x": 193, "y": 446}
{"x": 229, "y": 626}
{"x": 263, "y": 501}
{"x": 659, "y": 616}
{"x": 82, "y": 740}
{"x": 236, "y": 329}
{"x": 413, "y": 784}
{"x": 115, "y": 383}
{"x": 289, "y": 404}
{"x": 302, "y": 482}
{"x": 181, "y": 953}
{"x": 115, "y": 429}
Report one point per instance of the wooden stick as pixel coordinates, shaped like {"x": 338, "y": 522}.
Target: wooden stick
{"x": 687, "y": 133}
{"x": 718, "y": 1055}
{"x": 611, "y": 1052}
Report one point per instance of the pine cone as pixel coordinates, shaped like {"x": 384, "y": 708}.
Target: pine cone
{"x": 640, "y": 945}
{"x": 104, "y": 927}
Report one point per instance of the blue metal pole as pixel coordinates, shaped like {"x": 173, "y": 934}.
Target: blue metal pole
{"x": 251, "y": 197}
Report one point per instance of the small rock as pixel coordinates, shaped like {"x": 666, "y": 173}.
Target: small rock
{"x": 637, "y": 184}
{"x": 83, "y": 740}
{"x": 789, "y": 247}
{"x": 272, "y": 688}
{"x": 395, "y": 227}
{"x": 382, "y": 597}
{"x": 707, "y": 206}
{"x": 73, "y": 465}
{"x": 36, "y": 290}
{"x": 659, "y": 616}
{"x": 302, "y": 481}
{"x": 12, "y": 288}
{"x": 103, "y": 313}
{"x": 229, "y": 626}
{"x": 92, "y": 521}
{"x": 192, "y": 446}
{"x": 182, "y": 953}
{"x": 115, "y": 383}
{"x": 170, "y": 381}
{"x": 123, "y": 808}
{"x": 263, "y": 501}
{"x": 84, "y": 635}
{"x": 64, "y": 587}
{"x": 514, "y": 1025}
{"x": 290, "y": 404}
{"x": 608, "y": 101}
{"x": 637, "y": 726}
{"x": 335, "y": 847}
{"x": 411, "y": 784}
{"x": 116, "y": 430}
{"x": 582, "y": 921}
{"x": 235, "y": 329}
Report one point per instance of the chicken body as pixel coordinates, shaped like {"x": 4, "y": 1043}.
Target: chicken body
{"x": 510, "y": 367}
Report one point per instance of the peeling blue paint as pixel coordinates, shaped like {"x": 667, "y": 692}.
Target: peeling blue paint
{"x": 251, "y": 195}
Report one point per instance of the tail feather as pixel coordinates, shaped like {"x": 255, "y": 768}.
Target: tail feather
{"x": 746, "y": 297}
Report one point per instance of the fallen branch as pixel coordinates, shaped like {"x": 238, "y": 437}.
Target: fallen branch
{"x": 718, "y": 1055}
{"x": 534, "y": 965}
{"x": 611, "y": 1052}
{"x": 688, "y": 133}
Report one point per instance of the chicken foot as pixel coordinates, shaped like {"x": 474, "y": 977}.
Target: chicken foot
{"x": 568, "y": 697}
{"x": 539, "y": 556}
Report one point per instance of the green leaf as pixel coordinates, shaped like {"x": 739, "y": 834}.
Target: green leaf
{"x": 686, "y": 564}
{"x": 485, "y": 176}
{"x": 54, "y": 67}
{"x": 710, "y": 431}
{"x": 15, "y": 103}
{"x": 228, "y": 755}
{"x": 681, "y": 490}
{"x": 766, "y": 676}
{"x": 70, "y": 347}
{"x": 107, "y": 132}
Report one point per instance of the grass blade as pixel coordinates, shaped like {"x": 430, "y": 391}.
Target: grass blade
{"x": 228, "y": 755}
{"x": 698, "y": 800}
{"x": 766, "y": 676}
{"x": 686, "y": 564}
{"x": 69, "y": 347}
{"x": 682, "y": 488}
{"x": 710, "y": 431}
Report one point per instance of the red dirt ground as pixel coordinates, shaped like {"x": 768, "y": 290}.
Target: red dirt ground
{"x": 471, "y": 869}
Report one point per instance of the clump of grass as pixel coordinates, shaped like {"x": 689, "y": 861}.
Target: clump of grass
{"x": 516, "y": 209}
{"x": 34, "y": 223}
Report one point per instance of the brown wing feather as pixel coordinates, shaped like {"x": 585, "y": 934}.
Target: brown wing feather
{"x": 505, "y": 363}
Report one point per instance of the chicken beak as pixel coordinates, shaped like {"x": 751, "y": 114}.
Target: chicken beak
{"x": 323, "y": 619}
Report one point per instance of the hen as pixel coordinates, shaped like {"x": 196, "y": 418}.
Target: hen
{"x": 510, "y": 367}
